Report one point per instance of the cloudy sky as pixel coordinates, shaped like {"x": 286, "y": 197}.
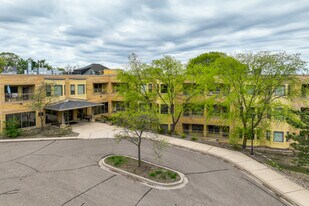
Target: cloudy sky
{"x": 79, "y": 32}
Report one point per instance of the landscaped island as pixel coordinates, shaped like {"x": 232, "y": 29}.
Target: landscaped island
{"x": 146, "y": 170}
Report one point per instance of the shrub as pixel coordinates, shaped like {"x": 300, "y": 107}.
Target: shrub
{"x": 152, "y": 174}
{"x": 183, "y": 135}
{"x": 12, "y": 128}
{"x": 194, "y": 138}
{"x": 117, "y": 160}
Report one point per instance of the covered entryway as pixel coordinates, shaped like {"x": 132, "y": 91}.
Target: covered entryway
{"x": 71, "y": 111}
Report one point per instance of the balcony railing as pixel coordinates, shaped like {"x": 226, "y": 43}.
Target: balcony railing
{"x": 14, "y": 97}
{"x": 99, "y": 90}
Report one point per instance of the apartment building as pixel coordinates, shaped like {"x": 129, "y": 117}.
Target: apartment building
{"x": 77, "y": 97}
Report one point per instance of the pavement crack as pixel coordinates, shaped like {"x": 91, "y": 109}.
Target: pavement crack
{"x": 28, "y": 153}
{"x": 55, "y": 155}
{"x": 143, "y": 196}
{"x": 205, "y": 172}
{"x": 28, "y": 166}
{"x": 88, "y": 189}
{"x": 64, "y": 170}
{"x": 10, "y": 192}
{"x": 8, "y": 178}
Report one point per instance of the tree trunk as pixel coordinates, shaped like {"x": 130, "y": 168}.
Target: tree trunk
{"x": 244, "y": 142}
{"x": 139, "y": 154}
{"x": 42, "y": 121}
{"x": 173, "y": 128}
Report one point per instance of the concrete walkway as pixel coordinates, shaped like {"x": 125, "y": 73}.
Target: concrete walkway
{"x": 283, "y": 187}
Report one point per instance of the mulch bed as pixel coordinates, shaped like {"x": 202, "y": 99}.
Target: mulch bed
{"x": 50, "y": 131}
{"x": 146, "y": 170}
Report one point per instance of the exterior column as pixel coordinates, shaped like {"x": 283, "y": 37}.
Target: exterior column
{"x": 62, "y": 120}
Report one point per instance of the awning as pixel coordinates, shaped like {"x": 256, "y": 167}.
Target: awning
{"x": 70, "y": 105}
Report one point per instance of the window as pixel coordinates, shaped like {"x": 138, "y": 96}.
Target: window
{"x": 213, "y": 129}
{"x": 305, "y": 90}
{"x": 81, "y": 89}
{"x": 164, "y": 128}
{"x": 48, "y": 90}
{"x": 186, "y": 128}
{"x": 164, "y": 109}
{"x": 72, "y": 88}
{"x": 51, "y": 116}
{"x": 280, "y": 90}
{"x": 26, "y": 119}
{"x": 149, "y": 87}
{"x": 97, "y": 88}
{"x": 118, "y": 106}
{"x": 278, "y": 136}
{"x": 268, "y": 133}
{"x": 164, "y": 88}
{"x": 101, "y": 109}
{"x": 143, "y": 88}
{"x": 58, "y": 90}
{"x": 198, "y": 128}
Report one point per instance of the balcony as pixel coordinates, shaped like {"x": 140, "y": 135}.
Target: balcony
{"x": 100, "y": 90}
{"x": 15, "y": 97}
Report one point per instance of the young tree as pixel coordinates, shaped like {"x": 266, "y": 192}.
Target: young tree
{"x": 301, "y": 140}
{"x": 173, "y": 81}
{"x": 137, "y": 85}
{"x": 257, "y": 83}
{"x": 137, "y": 125}
{"x": 39, "y": 99}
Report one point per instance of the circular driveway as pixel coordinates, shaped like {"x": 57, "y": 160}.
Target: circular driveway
{"x": 67, "y": 173}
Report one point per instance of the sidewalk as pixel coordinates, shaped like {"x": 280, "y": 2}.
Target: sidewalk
{"x": 283, "y": 187}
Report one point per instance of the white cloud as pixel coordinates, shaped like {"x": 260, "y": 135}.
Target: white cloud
{"x": 82, "y": 32}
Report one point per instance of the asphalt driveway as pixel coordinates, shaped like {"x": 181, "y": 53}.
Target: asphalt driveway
{"x": 67, "y": 173}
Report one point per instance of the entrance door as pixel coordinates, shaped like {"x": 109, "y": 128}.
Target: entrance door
{"x": 68, "y": 115}
{"x": 81, "y": 113}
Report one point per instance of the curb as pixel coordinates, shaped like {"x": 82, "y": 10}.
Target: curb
{"x": 37, "y": 139}
{"x": 273, "y": 184}
{"x": 158, "y": 185}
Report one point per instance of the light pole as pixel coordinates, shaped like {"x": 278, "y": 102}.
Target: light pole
{"x": 252, "y": 132}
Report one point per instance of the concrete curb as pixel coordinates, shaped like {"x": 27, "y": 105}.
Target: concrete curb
{"x": 283, "y": 187}
{"x": 37, "y": 139}
{"x": 158, "y": 185}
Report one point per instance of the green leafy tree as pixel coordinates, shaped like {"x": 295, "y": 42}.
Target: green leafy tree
{"x": 252, "y": 85}
{"x": 300, "y": 120}
{"x": 173, "y": 81}
{"x": 12, "y": 59}
{"x": 137, "y": 86}
{"x": 135, "y": 126}
{"x": 2, "y": 64}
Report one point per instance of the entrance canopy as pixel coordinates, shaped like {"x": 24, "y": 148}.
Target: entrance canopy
{"x": 70, "y": 105}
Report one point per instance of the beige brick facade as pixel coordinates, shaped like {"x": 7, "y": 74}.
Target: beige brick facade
{"x": 100, "y": 89}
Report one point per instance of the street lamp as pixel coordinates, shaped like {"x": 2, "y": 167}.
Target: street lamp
{"x": 252, "y": 131}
